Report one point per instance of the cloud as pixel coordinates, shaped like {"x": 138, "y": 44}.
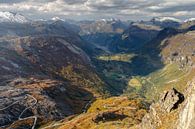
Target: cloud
{"x": 173, "y": 7}
{"x": 11, "y": 1}
{"x": 95, "y": 9}
{"x": 72, "y": 2}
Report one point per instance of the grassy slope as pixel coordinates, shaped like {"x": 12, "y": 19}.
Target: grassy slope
{"x": 117, "y": 57}
{"x": 152, "y": 85}
{"x": 133, "y": 109}
{"x": 164, "y": 77}
{"x": 149, "y": 86}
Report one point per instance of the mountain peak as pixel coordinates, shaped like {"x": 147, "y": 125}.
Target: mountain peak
{"x": 165, "y": 19}
{"x": 190, "y": 20}
{"x": 12, "y": 17}
{"x": 57, "y": 19}
{"x": 109, "y": 20}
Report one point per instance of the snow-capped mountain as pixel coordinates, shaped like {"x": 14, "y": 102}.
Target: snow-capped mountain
{"x": 12, "y": 17}
{"x": 166, "y": 19}
{"x": 57, "y": 19}
{"x": 102, "y": 26}
{"x": 190, "y": 20}
{"x": 166, "y": 22}
{"x": 109, "y": 20}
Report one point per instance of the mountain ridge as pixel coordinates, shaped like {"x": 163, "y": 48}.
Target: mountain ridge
{"x": 12, "y": 17}
{"x": 55, "y": 74}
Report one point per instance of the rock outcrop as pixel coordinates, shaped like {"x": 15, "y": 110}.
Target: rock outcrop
{"x": 170, "y": 100}
{"x": 162, "y": 110}
{"x": 187, "y": 114}
{"x": 172, "y": 111}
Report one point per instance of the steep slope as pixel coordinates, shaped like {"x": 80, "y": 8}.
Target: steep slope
{"x": 102, "y": 32}
{"x": 188, "y": 23}
{"x": 180, "y": 49}
{"x": 174, "y": 49}
{"x": 174, "y": 110}
{"x": 44, "y": 78}
{"x": 115, "y": 112}
{"x": 125, "y": 60}
{"x": 102, "y": 26}
{"x": 137, "y": 35}
{"x": 165, "y": 22}
{"x": 186, "y": 114}
{"x": 172, "y": 55}
{"x": 49, "y": 73}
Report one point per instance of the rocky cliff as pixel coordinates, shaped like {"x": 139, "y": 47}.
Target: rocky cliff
{"x": 187, "y": 113}
{"x": 174, "y": 110}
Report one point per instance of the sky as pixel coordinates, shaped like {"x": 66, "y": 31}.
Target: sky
{"x": 99, "y": 9}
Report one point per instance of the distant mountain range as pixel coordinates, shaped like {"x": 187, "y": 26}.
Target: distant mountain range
{"x": 12, "y": 17}
{"x": 68, "y": 74}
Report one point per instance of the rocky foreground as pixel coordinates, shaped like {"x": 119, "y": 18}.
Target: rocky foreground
{"x": 174, "y": 110}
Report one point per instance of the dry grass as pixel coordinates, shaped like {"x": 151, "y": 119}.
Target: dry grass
{"x": 132, "y": 109}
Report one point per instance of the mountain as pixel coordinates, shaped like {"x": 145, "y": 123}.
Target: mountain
{"x": 102, "y": 26}
{"x": 39, "y": 28}
{"x": 97, "y": 74}
{"x": 133, "y": 38}
{"x": 46, "y": 74}
{"x": 190, "y": 20}
{"x": 180, "y": 49}
{"x": 165, "y": 19}
{"x": 101, "y": 32}
{"x": 57, "y": 19}
{"x": 188, "y": 23}
{"x": 169, "y": 86}
{"x": 166, "y": 22}
{"x": 113, "y": 34}
{"x": 12, "y": 17}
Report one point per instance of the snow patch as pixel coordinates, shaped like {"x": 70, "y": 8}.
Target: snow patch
{"x": 57, "y": 19}
{"x": 12, "y": 17}
{"x": 190, "y": 20}
{"x": 164, "y": 19}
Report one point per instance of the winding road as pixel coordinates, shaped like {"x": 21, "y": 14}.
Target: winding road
{"x": 21, "y": 114}
{"x": 59, "y": 124}
{"x": 9, "y": 106}
{"x": 86, "y": 106}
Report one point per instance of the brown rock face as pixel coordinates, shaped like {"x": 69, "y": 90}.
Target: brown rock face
{"x": 171, "y": 99}
{"x": 187, "y": 114}
{"x": 161, "y": 111}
